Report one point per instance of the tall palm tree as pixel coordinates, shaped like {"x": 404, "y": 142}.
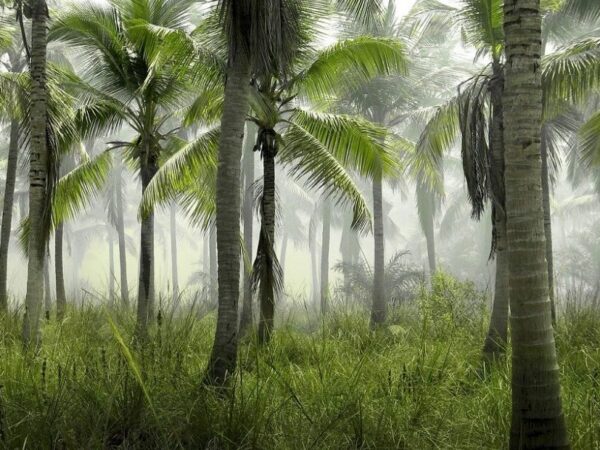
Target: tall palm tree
{"x": 537, "y": 417}
{"x": 131, "y": 82}
{"x": 264, "y": 46}
{"x": 40, "y": 180}
{"x": 247, "y": 315}
{"x": 15, "y": 64}
{"x": 481, "y": 134}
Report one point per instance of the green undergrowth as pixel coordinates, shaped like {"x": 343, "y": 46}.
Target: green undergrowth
{"x": 417, "y": 383}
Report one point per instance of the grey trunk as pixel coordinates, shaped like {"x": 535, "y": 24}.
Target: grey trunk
{"x": 39, "y": 181}
{"x": 47, "y": 287}
{"x": 266, "y": 253}
{"x": 212, "y": 250}
{"x": 247, "y": 316}
{"x": 314, "y": 276}
{"x": 325, "y": 240}
{"x": 378, "y": 311}
{"x": 145, "y": 306}
{"x": 223, "y": 358}
{"x": 495, "y": 341}
{"x": 538, "y": 421}
{"x": 61, "y": 296}
{"x": 121, "y": 235}
{"x": 111, "y": 265}
{"x": 174, "y": 268}
{"x": 548, "y": 226}
{"x": 7, "y": 211}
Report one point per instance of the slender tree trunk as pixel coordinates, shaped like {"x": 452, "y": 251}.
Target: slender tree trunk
{"x": 426, "y": 209}
{"x": 495, "y": 341}
{"x": 314, "y": 273}
{"x": 61, "y": 296}
{"x": 223, "y": 358}
{"x": 430, "y": 238}
{"x": 47, "y": 287}
{"x": 174, "y": 268}
{"x": 378, "y": 310}
{"x": 350, "y": 251}
{"x": 7, "y": 211}
{"x": 537, "y": 417}
{"x": 121, "y": 233}
{"x": 212, "y": 250}
{"x": 283, "y": 254}
{"x": 111, "y": 265}
{"x": 39, "y": 203}
{"x": 247, "y": 318}
{"x": 325, "y": 241}
{"x": 548, "y": 226}
{"x": 265, "y": 263}
{"x": 206, "y": 253}
{"x": 145, "y": 307}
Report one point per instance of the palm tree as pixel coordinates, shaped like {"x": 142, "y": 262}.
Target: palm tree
{"x": 131, "y": 82}
{"x": 40, "y": 181}
{"x": 247, "y": 315}
{"x": 482, "y": 140}
{"x": 537, "y": 417}
{"x": 15, "y": 64}
{"x": 311, "y": 143}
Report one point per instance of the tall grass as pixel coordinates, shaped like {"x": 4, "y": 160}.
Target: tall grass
{"x": 334, "y": 384}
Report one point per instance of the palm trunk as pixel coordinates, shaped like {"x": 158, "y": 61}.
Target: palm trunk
{"x": 111, "y": 266}
{"x": 430, "y": 237}
{"x": 212, "y": 250}
{"x": 378, "y": 311}
{"x": 283, "y": 254}
{"x": 47, "y": 287}
{"x": 174, "y": 268}
{"x": 265, "y": 258}
{"x": 537, "y": 417}
{"x": 7, "y": 211}
{"x": 145, "y": 305}
{"x": 235, "y": 106}
{"x": 350, "y": 251}
{"x": 548, "y": 226}
{"x": 39, "y": 203}
{"x": 247, "y": 316}
{"x": 61, "y": 296}
{"x": 121, "y": 235}
{"x": 495, "y": 341}
{"x": 325, "y": 241}
{"x": 314, "y": 276}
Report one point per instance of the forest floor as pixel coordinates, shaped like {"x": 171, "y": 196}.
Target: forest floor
{"x": 417, "y": 384}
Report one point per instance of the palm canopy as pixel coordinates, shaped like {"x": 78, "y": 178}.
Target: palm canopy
{"x": 569, "y": 75}
{"x": 127, "y": 75}
{"x": 318, "y": 148}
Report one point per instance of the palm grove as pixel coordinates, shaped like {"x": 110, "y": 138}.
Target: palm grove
{"x": 181, "y": 98}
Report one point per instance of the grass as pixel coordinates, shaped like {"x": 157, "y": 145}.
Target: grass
{"x": 417, "y": 384}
